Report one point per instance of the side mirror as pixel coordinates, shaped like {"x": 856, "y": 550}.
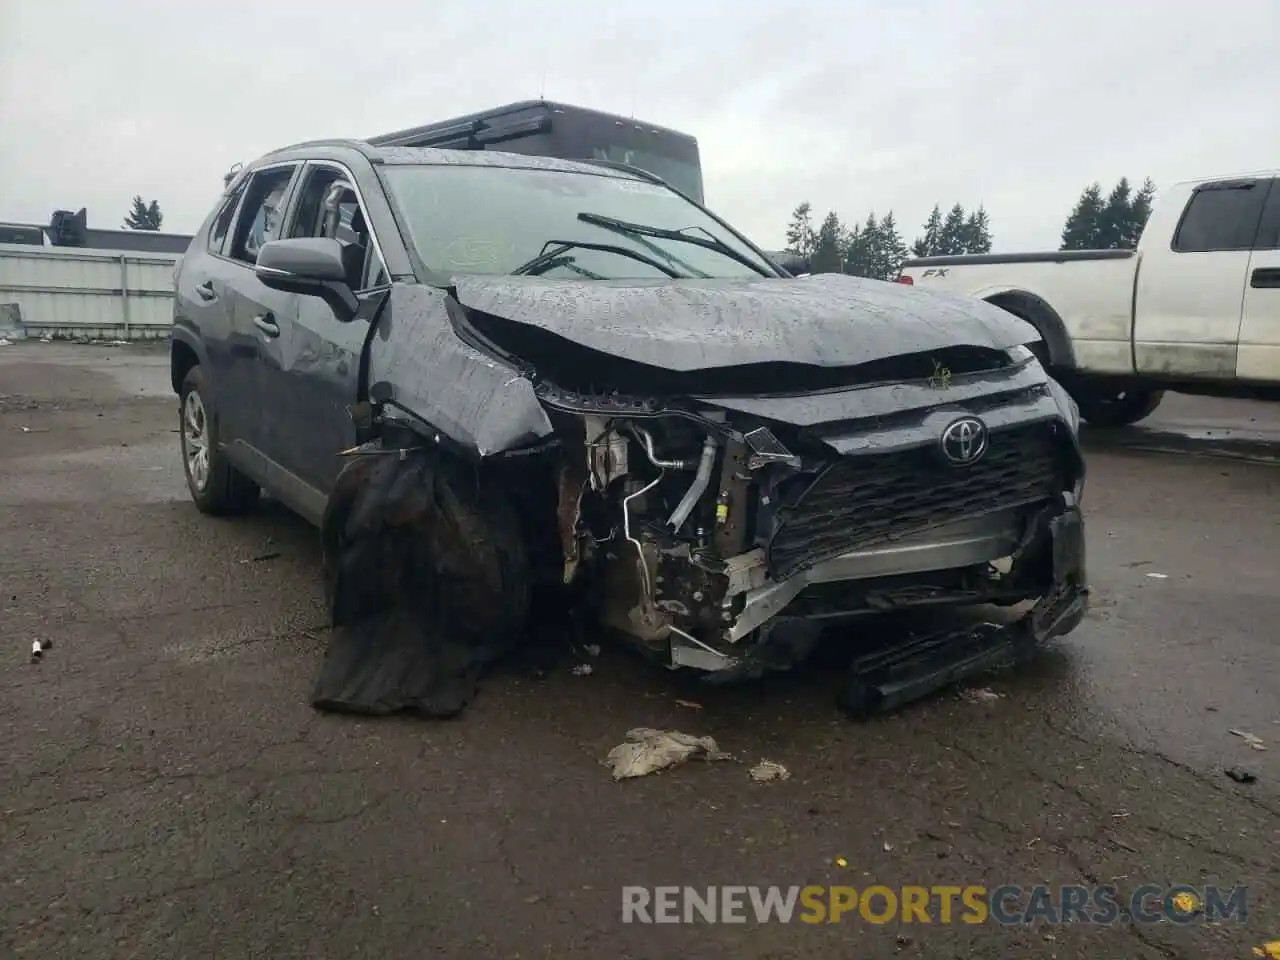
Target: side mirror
{"x": 309, "y": 265}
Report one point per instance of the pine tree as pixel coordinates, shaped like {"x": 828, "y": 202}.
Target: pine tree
{"x": 829, "y": 247}
{"x": 951, "y": 240}
{"x": 1113, "y": 222}
{"x": 863, "y": 243}
{"x": 892, "y": 251}
{"x": 1139, "y": 211}
{"x": 801, "y": 238}
{"x": 1083, "y": 228}
{"x": 927, "y": 245}
{"x": 977, "y": 232}
{"x": 855, "y": 254}
{"x": 143, "y": 215}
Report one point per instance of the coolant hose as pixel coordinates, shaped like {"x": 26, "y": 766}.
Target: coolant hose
{"x": 701, "y": 480}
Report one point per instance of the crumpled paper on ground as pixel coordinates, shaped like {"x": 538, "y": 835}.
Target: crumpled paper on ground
{"x": 767, "y": 771}
{"x": 647, "y": 751}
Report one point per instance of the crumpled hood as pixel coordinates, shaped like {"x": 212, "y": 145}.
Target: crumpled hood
{"x": 827, "y": 320}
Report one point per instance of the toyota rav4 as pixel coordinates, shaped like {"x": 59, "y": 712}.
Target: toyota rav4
{"x": 717, "y": 455}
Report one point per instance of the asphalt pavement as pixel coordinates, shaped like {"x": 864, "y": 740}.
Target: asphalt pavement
{"x": 167, "y": 791}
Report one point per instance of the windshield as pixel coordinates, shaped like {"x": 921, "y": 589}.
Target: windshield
{"x": 497, "y": 220}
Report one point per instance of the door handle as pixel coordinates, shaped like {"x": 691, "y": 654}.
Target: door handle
{"x": 266, "y": 322}
{"x": 205, "y": 291}
{"x": 1266, "y": 277}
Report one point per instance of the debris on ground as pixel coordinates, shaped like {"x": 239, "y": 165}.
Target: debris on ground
{"x": 841, "y": 862}
{"x": 1251, "y": 739}
{"x": 687, "y": 703}
{"x": 767, "y": 770}
{"x": 1157, "y": 576}
{"x": 262, "y": 557}
{"x": 1268, "y": 951}
{"x": 980, "y": 695}
{"x": 647, "y": 751}
{"x": 1241, "y": 775}
{"x": 1129, "y": 848}
{"x": 582, "y": 670}
{"x": 427, "y": 582}
{"x": 38, "y": 647}
{"x": 5, "y": 342}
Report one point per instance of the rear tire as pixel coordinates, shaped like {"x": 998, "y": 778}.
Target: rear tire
{"x": 217, "y": 488}
{"x": 1103, "y": 405}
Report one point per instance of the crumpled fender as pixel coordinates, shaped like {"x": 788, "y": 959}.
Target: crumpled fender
{"x": 483, "y": 406}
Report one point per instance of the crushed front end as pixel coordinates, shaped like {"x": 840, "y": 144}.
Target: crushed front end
{"x": 725, "y": 533}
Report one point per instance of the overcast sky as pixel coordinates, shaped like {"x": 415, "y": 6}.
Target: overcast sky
{"x": 855, "y": 106}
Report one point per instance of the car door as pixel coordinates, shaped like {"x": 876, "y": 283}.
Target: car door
{"x": 311, "y": 370}
{"x": 1259, "y": 355}
{"x": 203, "y": 302}
{"x": 1189, "y": 300}
{"x": 256, "y": 312}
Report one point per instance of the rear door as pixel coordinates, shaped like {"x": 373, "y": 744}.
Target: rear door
{"x": 255, "y": 315}
{"x": 1189, "y": 299}
{"x": 1259, "y": 357}
{"x": 204, "y": 300}
{"x": 310, "y": 372}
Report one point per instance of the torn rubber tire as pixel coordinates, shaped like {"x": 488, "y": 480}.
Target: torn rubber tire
{"x": 216, "y": 487}
{"x": 428, "y": 578}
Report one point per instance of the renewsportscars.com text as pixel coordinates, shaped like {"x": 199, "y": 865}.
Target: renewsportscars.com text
{"x": 936, "y": 904}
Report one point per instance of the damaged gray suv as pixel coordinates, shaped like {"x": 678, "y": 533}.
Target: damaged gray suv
{"x": 635, "y": 405}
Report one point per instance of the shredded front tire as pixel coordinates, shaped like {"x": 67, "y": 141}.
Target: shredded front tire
{"x": 428, "y": 577}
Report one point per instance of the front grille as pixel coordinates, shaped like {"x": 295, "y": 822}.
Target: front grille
{"x": 861, "y": 501}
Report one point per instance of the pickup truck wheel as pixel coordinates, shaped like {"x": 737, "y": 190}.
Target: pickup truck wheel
{"x": 1109, "y": 406}
{"x": 216, "y": 487}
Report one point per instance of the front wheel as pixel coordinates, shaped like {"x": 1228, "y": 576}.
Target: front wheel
{"x": 1106, "y": 405}
{"x": 216, "y": 487}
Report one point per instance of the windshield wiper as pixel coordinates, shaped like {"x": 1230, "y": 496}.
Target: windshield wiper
{"x": 555, "y": 257}
{"x": 709, "y": 242}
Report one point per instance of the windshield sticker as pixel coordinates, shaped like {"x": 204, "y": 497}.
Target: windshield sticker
{"x": 473, "y": 252}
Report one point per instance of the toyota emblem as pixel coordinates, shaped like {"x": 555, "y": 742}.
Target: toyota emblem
{"x": 964, "y": 441}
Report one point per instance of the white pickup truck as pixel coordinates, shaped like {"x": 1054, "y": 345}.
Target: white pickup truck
{"x": 1196, "y": 308}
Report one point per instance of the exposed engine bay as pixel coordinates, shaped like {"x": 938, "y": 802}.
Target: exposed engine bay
{"x": 703, "y": 541}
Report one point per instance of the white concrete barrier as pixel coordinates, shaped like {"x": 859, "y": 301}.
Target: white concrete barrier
{"x": 84, "y": 292}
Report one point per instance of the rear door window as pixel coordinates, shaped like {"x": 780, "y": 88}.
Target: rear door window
{"x": 1222, "y": 216}
{"x": 1269, "y": 227}
{"x": 218, "y": 232}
